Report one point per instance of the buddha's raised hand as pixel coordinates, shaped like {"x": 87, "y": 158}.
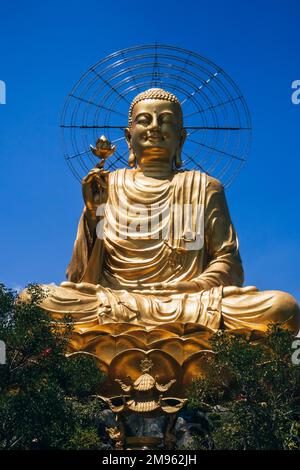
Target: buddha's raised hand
{"x": 94, "y": 189}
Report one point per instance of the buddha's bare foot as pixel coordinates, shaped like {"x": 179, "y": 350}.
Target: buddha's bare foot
{"x": 85, "y": 287}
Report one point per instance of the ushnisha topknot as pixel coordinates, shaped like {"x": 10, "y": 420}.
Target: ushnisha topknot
{"x": 153, "y": 94}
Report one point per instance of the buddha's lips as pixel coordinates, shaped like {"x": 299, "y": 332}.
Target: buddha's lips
{"x": 155, "y": 139}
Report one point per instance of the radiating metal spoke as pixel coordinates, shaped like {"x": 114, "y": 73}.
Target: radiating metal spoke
{"x": 186, "y": 127}
{"x": 155, "y": 69}
{"x": 97, "y": 105}
{"x": 110, "y": 86}
{"x": 91, "y": 127}
{"x": 194, "y": 162}
{"x": 214, "y": 105}
{"x": 217, "y": 150}
{"x": 199, "y": 88}
{"x": 78, "y": 154}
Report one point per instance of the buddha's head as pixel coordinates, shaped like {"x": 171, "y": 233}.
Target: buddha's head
{"x": 155, "y": 131}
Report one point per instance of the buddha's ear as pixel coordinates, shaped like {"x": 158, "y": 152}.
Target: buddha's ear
{"x": 182, "y": 137}
{"x": 177, "y": 160}
{"x": 131, "y": 159}
{"x": 128, "y": 136}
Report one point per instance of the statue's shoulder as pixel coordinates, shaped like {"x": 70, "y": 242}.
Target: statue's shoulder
{"x": 118, "y": 171}
{"x": 212, "y": 184}
{"x": 116, "y": 175}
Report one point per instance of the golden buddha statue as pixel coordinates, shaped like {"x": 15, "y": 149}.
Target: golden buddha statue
{"x": 182, "y": 262}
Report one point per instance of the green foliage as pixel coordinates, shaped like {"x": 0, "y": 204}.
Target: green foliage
{"x": 251, "y": 393}
{"x": 85, "y": 439}
{"x": 44, "y": 396}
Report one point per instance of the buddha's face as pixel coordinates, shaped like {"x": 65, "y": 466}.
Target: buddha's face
{"x": 156, "y": 132}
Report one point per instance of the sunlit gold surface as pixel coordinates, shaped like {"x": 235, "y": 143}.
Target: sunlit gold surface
{"x": 125, "y": 293}
{"x": 103, "y": 150}
{"x": 177, "y": 351}
{"x": 145, "y": 394}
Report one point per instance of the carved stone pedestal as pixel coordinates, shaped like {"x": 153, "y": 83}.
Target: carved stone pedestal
{"x": 147, "y": 373}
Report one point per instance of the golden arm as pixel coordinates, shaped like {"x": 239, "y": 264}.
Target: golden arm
{"x": 223, "y": 261}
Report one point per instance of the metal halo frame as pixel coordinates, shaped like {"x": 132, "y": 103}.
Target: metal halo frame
{"x": 216, "y": 115}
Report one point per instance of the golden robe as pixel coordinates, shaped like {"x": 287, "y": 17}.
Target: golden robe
{"x": 113, "y": 277}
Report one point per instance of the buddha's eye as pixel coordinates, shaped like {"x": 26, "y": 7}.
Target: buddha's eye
{"x": 166, "y": 119}
{"x": 143, "y": 120}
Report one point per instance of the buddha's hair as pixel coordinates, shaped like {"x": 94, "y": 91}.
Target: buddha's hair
{"x": 153, "y": 94}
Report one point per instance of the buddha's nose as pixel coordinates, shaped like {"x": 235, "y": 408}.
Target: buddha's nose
{"x": 154, "y": 124}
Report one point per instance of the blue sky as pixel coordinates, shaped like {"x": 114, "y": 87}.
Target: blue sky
{"x": 46, "y": 46}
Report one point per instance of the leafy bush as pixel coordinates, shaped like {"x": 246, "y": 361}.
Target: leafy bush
{"x": 44, "y": 396}
{"x": 250, "y": 395}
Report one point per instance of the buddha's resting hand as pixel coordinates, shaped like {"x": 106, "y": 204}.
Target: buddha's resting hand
{"x": 171, "y": 288}
{"x": 85, "y": 287}
{"x": 192, "y": 287}
{"x": 182, "y": 286}
{"x": 233, "y": 290}
{"x": 92, "y": 290}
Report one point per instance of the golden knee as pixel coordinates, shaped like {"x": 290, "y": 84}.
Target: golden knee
{"x": 26, "y": 295}
{"x": 286, "y": 311}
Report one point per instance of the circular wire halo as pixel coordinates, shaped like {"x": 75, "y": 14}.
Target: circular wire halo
{"x": 216, "y": 115}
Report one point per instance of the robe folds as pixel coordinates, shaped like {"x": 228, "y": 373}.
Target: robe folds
{"x": 153, "y": 231}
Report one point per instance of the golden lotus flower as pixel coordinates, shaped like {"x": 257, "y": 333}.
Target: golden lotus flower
{"x": 103, "y": 150}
